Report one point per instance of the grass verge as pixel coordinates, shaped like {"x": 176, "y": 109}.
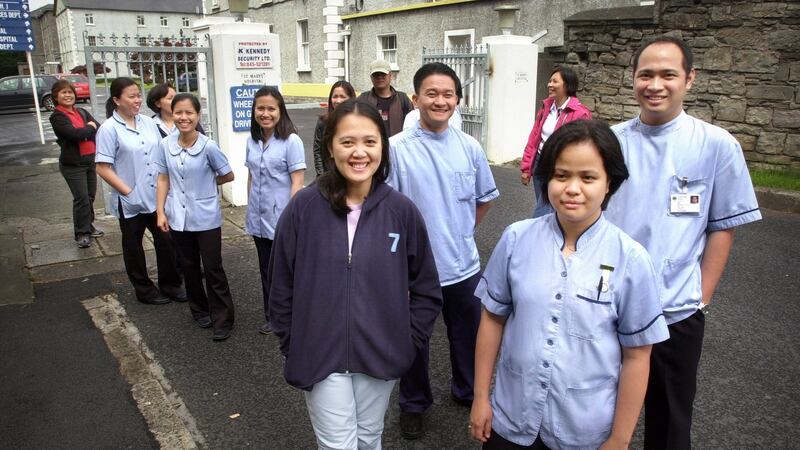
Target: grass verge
{"x": 778, "y": 179}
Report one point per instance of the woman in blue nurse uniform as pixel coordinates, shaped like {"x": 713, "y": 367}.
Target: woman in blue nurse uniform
{"x": 126, "y": 146}
{"x": 571, "y": 305}
{"x": 276, "y": 163}
{"x": 190, "y": 166}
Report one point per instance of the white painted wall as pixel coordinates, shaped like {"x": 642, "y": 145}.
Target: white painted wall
{"x": 224, "y": 37}
{"x": 511, "y": 94}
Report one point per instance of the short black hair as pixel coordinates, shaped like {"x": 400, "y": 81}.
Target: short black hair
{"x": 436, "y": 68}
{"x": 283, "y": 128}
{"x": 186, "y": 96}
{"x": 688, "y": 57}
{"x": 332, "y": 184}
{"x": 570, "y": 79}
{"x": 158, "y": 92}
{"x": 59, "y": 86}
{"x": 598, "y": 133}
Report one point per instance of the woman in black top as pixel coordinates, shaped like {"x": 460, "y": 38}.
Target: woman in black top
{"x": 75, "y": 129}
{"x": 341, "y": 91}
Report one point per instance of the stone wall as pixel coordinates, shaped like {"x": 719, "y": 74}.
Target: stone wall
{"x": 747, "y": 57}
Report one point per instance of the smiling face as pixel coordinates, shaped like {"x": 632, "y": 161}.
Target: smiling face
{"x": 556, "y": 87}
{"x": 66, "y": 98}
{"x": 578, "y": 186}
{"x": 660, "y": 83}
{"x": 267, "y": 113}
{"x": 166, "y": 102}
{"x": 185, "y": 116}
{"x": 129, "y": 102}
{"x": 339, "y": 96}
{"x": 436, "y": 101}
{"x": 356, "y": 150}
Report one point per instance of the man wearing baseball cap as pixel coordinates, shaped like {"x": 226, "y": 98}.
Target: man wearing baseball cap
{"x": 391, "y": 103}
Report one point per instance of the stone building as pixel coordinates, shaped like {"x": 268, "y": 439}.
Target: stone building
{"x": 747, "y": 56}
{"x": 47, "y": 57}
{"x": 79, "y": 19}
{"x": 326, "y": 40}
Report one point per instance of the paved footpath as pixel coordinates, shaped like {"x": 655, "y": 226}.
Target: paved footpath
{"x": 84, "y": 365}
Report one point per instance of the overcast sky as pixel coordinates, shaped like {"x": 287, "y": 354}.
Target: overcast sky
{"x": 39, "y": 3}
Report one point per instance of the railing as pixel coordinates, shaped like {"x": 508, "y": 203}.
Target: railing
{"x": 149, "y": 60}
{"x": 470, "y": 63}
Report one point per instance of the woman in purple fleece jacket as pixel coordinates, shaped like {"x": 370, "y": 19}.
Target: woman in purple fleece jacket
{"x": 354, "y": 290}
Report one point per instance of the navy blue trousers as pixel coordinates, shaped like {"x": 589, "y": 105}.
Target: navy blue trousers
{"x": 462, "y": 315}
{"x": 169, "y": 280}
{"x": 672, "y": 386}
{"x": 204, "y": 249}
{"x": 264, "y": 249}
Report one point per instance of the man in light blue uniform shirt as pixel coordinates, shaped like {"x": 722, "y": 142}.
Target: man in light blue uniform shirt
{"x": 445, "y": 172}
{"x": 688, "y": 188}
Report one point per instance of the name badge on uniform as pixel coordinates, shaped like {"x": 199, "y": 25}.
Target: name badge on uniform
{"x": 684, "y": 203}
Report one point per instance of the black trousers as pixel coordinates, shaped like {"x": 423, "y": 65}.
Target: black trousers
{"x": 82, "y": 182}
{"x": 264, "y": 249}
{"x": 462, "y": 315}
{"x": 497, "y": 442}
{"x": 196, "y": 247}
{"x": 672, "y": 385}
{"x": 169, "y": 281}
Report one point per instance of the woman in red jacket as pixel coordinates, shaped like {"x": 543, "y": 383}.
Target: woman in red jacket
{"x": 75, "y": 129}
{"x": 560, "y": 107}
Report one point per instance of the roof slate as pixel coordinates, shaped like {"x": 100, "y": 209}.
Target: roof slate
{"x": 170, "y": 6}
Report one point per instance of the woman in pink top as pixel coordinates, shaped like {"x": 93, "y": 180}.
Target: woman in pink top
{"x": 560, "y": 107}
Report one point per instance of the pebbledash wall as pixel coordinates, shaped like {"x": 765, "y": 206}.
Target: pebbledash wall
{"x": 747, "y": 57}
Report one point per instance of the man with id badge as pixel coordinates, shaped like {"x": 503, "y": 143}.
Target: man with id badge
{"x": 688, "y": 188}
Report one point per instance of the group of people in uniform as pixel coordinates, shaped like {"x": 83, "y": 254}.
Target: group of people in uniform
{"x": 584, "y": 313}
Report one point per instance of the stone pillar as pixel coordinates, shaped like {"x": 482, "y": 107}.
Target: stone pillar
{"x": 244, "y": 54}
{"x": 334, "y": 52}
{"x": 511, "y": 97}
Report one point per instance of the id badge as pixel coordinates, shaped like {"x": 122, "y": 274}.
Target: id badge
{"x": 684, "y": 203}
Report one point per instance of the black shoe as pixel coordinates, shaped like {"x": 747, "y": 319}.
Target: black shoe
{"x": 159, "y": 300}
{"x": 411, "y": 425}
{"x": 204, "y": 322}
{"x": 84, "y": 241}
{"x": 265, "y": 329}
{"x": 221, "y": 334}
{"x": 467, "y": 402}
{"x": 180, "y": 297}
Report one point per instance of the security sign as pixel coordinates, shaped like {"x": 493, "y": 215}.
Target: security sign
{"x": 241, "y": 106}
{"x": 16, "y": 34}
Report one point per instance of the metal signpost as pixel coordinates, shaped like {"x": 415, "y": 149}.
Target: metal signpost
{"x": 16, "y": 35}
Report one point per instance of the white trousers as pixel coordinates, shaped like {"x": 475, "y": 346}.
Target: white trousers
{"x": 347, "y": 411}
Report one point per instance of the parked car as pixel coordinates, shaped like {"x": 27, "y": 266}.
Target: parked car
{"x": 16, "y": 92}
{"x": 80, "y": 82}
{"x": 184, "y": 78}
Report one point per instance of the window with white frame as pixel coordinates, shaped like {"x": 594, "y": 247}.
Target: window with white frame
{"x": 91, "y": 40}
{"x": 142, "y": 41}
{"x": 459, "y": 39}
{"x": 214, "y": 4}
{"x": 185, "y": 22}
{"x": 303, "y": 50}
{"x": 387, "y": 49}
{"x": 164, "y": 22}
{"x": 139, "y": 21}
{"x": 88, "y": 19}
